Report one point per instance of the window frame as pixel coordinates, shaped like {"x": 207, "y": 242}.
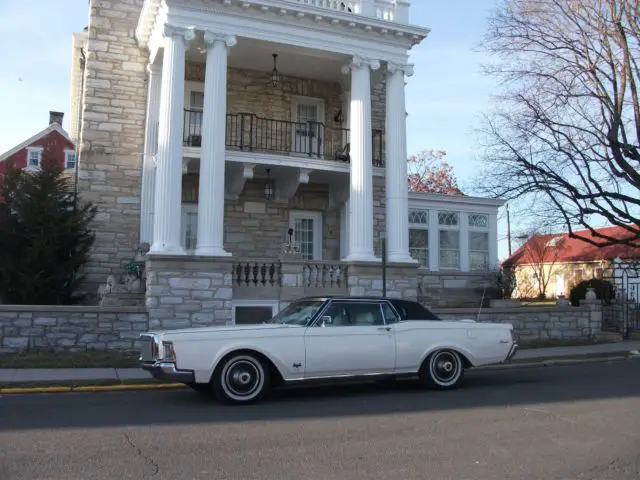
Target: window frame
{"x": 67, "y": 154}
{"x": 318, "y": 321}
{"x": 471, "y": 229}
{"x": 318, "y": 231}
{"x": 420, "y": 227}
{"x": 37, "y": 150}
{"x": 274, "y": 304}
{"x": 450, "y": 228}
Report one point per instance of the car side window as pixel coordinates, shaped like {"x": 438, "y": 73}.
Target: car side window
{"x": 352, "y": 314}
{"x": 389, "y": 315}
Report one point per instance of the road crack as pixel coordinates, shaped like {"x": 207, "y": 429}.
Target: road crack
{"x": 149, "y": 460}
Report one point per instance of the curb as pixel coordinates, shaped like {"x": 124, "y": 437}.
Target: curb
{"x": 559, "y": 361}
{"x": 91, "y": 388}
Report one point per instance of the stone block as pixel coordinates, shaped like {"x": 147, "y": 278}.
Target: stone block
{"x": 17, "y": 343}
{"x": 190, "y": 283}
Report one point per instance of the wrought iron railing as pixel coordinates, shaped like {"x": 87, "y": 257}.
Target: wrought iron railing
{"x": 249, "y": 132}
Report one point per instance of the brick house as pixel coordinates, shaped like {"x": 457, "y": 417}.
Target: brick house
{"x": 52, "y": 143}
{"x": 563, "y": 262}
{"x": 211, "y": 130}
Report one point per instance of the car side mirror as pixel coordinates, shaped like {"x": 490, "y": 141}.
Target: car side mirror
{"x": 326, "y": 320}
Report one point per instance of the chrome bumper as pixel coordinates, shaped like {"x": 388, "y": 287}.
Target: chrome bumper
{"x": 168, "y": 371}
{"x": 512, "y": 352}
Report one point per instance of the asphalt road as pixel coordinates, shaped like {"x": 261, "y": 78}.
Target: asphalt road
{"x": 555, "y": 423}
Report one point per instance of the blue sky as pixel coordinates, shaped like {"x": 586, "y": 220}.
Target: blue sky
{"x": 444, "y": 97}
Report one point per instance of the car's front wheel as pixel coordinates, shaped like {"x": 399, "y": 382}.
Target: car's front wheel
{"x": 240, "y": 378}
{"x": 443, "y": 370}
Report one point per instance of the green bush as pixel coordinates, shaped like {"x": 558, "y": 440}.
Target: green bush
{"x": 604, "y": 291}
{"x": 44, "y": 237}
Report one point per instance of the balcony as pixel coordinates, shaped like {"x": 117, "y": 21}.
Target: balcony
{"x": 390, "y": 10}
{"x": 249, "y": 132}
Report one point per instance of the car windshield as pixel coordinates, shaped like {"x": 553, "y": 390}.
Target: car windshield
{"x": 297, "y": 313}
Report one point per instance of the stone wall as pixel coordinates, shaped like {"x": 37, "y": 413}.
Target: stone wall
{"x": 70, "y": 328}
{"x": 367, "y": 280}
{"x": 112, "y": 137}
{"x": 537, "y": 323}
{"x": 455, "y": 289}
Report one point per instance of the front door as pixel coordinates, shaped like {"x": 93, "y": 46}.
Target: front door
{"x": 559, "y": 284}
{"x": 352, "y": 340}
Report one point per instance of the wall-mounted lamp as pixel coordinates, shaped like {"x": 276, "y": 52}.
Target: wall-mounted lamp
{"x": 275, "y": 76}
{"x": 339, "y": 117}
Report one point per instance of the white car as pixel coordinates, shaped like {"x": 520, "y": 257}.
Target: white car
{"x": 326, "y": 339}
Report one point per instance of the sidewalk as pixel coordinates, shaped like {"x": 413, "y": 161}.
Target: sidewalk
{"x": 23, "y": 375}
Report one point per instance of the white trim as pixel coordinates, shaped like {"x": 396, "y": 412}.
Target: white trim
{"x": 353, "y": 29}
{"x": 37, "y": 150}
{"x": 457, "y": 203}
{"x": 54, "y": 127}
{"x": 263, "y": 158}
{"x": 68, "y": 152}
{"x": 318, "y": 230}
{"x": 274, "y": 304}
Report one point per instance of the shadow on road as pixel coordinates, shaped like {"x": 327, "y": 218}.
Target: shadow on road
{"x": 481, "y": 389}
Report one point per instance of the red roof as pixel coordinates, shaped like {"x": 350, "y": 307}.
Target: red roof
{"x": 572, "y": 249}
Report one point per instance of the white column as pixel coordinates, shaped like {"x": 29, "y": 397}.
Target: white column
{"x": 361, "y": 181}
{"x": 212, "y": 153}
{"x": 147, "y": 198}
{"x": 168, "y": 189}
{"x": 396, "y": 188}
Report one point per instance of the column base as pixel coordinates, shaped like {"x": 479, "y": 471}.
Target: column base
{"x": 211, "y": 251}
{"x": 362, "y": 257}
{"x": 166, "y": 249}
{"x": 401, "y": 258}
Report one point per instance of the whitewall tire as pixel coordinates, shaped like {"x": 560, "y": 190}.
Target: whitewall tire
{"x": 442, "y": 370}
{"x": 240, "y": 378}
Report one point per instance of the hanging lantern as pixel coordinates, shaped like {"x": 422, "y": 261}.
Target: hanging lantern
{"x": 275, "y": 76}
{"x": 268, "y": 186}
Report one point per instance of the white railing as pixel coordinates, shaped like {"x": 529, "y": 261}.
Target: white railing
{"x": 390, "y": 10}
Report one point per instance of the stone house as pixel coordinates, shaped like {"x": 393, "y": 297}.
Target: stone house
{"x": 259, "y": 148}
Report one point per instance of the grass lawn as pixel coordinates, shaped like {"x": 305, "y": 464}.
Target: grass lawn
{"x": 84, "y": 359}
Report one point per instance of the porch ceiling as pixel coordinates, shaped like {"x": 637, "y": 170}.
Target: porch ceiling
{"x": 292, "y": 61}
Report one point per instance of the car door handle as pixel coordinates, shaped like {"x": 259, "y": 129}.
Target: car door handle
{"x": 388, "y": 329}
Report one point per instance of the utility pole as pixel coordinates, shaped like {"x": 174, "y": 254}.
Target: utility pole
{"x": 508, "y": 230}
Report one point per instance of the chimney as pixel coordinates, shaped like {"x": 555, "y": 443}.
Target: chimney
{"x": 56, "y": 117}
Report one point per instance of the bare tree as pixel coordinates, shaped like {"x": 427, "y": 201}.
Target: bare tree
{"x": 564, "y": 138}
{"x": 542, "y": 252}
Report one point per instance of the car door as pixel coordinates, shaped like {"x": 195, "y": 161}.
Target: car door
{"x": 350, "y": 338}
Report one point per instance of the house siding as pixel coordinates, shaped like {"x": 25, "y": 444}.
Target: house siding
{"x": 54, "y": 144}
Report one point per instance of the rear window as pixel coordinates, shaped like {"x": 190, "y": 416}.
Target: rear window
{"x": 413, "y": 311}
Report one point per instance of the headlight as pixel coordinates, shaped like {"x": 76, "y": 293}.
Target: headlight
{"x": 169, "y": 352}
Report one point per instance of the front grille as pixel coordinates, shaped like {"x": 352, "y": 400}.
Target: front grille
{"x": 148, "y": 349}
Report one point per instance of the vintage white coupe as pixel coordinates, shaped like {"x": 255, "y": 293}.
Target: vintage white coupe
{"x": 326, "y": 339}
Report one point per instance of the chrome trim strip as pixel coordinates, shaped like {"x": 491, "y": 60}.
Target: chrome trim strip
{"x": 354, "y": 375}
{"x": 168, "y": 371}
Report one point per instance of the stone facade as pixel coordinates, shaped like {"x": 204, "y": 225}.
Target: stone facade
{"x": 538, "y": 323}
{"x": 113, "y": 118}
{"x": 111, "y": 145}
{"x": 367, "y": 280}
{"x": 70, "y": 328}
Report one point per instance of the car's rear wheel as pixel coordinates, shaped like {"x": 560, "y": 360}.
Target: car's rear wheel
{"x": 442, "y": 370}
{"x": 240, "y": 378}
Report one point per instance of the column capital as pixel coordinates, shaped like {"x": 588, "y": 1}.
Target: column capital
{"x": 405, "y": 68}
{"x": 187, "y": 34}
{"x": 212, "y": 37}
{"x": 359, "y": 61}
